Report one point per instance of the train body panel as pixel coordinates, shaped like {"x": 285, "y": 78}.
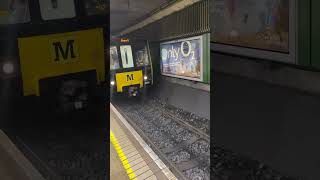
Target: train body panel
{"x": 54, "y": 57}
{"x": 129, "y": 79}
{"x": 49, "y": 56}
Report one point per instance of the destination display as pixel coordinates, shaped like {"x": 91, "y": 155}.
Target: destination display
{"x": 182, "y": 58}
{"x": 259, "y": 24}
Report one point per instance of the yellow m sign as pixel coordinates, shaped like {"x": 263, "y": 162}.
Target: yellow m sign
{"x": 60, "y": 54}
{"x": 60, "y": 51}
{"x": 64, "y": 50}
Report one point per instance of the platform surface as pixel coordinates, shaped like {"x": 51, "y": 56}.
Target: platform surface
{"x": 137, "y": 162}
{"x": 13, "y": 164}
{"x": 117, "y": 171}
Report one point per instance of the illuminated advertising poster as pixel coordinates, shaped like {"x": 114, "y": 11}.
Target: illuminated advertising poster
{"x": 259, "y": 24}
{"x": 182, "y": 58}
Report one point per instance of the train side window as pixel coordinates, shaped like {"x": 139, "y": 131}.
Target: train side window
{"x": 95, "y": 7}
{"x": 57, "y": 9}
{"x": 142, "y": 58}
{"x": 126, "y": 56}
{"x": 14, "y": 11}
{"x": 114, "y": 58}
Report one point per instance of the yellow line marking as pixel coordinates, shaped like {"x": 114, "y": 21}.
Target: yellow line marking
{"x": 122, "y": 156}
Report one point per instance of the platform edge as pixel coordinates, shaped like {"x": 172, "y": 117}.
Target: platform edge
{"x": 165, "y": 170}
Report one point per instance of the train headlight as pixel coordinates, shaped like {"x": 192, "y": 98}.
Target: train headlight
{"x": 8, "y": 68}
{"x": 145, "y": 78}
{"x": 112, "y": 83}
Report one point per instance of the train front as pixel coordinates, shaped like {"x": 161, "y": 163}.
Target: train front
{"x": 130, "y": 67}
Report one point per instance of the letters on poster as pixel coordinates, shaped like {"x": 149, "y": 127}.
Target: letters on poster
{"x": 182, "y": 58}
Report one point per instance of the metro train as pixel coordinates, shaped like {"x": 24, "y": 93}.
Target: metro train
{"x": 53, "y": 52}
{"x": 130, "y": 66}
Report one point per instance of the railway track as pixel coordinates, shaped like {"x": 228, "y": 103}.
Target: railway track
{"x": 198, "y": 128}
{"x": 186, "y": 125}
{"x": 185, "y": 148}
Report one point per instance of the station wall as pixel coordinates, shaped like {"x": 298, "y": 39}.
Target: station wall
{"x": 304, "y": 42}
{"x": 270, "y": 72}
{"x": 191, "y": 21}
{"x": 309, "y": 34}
{"x": 301, "y": 75}
{"x": 188, "y": 98}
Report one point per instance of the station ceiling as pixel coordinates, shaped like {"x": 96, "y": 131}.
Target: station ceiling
{"x": 124, "y": 13}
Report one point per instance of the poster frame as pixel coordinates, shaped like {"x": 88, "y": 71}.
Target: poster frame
{"x": 290, "y": 57}
{"x": 201, "y": 58}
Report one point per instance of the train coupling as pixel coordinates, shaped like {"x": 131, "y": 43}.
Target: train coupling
{"x": 133, "y": 91}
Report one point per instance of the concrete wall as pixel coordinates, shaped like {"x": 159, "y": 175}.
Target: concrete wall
{"x": 274, "y": 73}
{"x": 182, "y": 94}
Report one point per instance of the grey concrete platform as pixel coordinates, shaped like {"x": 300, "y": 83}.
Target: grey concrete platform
{"x": 117, "y": 171}
{"x": 13, "y": 164}
{"x": 132, "y": 154}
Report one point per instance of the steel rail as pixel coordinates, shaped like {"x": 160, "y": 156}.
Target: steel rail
{"x": 178, "y": 167}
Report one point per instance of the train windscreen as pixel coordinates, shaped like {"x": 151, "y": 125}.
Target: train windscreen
{"x": 57, "y": 9}
{"x": 114, "y": 58}
{"x": 142, "y": 57}
{"x": 14, "y": 12}
{"x": 126, "y": 56}
{"x": 95, "y": 7}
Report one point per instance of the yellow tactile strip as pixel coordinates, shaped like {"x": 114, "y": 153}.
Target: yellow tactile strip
{"x": 133, "y": 163}
{"x": 122, "y": 156}
{"x": 158, "y": 162}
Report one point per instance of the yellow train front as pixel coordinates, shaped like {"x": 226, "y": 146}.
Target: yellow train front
{"x": 52, "y": 56}
{"x": 130, "y": 67}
